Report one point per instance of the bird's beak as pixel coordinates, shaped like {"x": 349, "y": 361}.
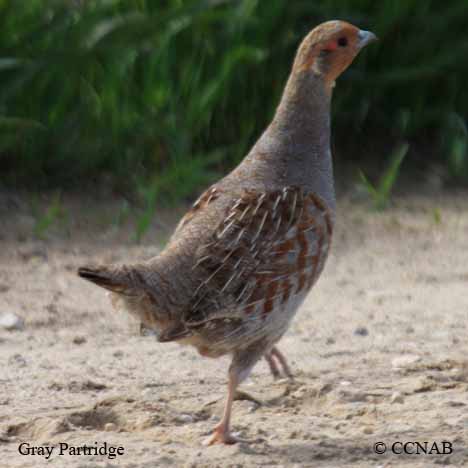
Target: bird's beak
{"x": 366, "y": 37}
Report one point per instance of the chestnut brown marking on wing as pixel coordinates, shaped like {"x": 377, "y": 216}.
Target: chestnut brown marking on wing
{"x": 258, "y": 293}
{"x": 301, "y": 283}
{"x": 204, "y": 200}
{"x": 325, "y": 212}
{"x": 283, "y": 248}
{"x": 287, "y": 288}
{"x": 320, "y": 239}
{"x": 266, "y": 248}
{"x": 304, "y": 250}
{"x": 249, "y": 309}
{"x": 270, "y": 295}
{"x": 315, "y": 259}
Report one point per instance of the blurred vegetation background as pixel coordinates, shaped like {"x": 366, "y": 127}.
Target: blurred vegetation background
{"x": 166, "y": 95}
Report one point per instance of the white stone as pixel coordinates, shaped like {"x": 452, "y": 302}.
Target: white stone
{"x": 10, "y": 321}
{"x": 185, "y": 418}
{"x": 405, "y": 360}
{"x": 397, "y": 397}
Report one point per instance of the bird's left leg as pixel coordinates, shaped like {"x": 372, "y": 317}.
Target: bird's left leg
{"x": 274, "y": 356}
{"x": 277, "y": 354}
{"x": 275, "y": 372}
{"x": 242, "y": 363}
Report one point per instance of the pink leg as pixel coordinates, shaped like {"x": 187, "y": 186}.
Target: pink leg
{"x": 276, "y": 353}
{"x": 242, "y": 363}
{"x": 273, "y": 367}
{"x": 222, "y": 432}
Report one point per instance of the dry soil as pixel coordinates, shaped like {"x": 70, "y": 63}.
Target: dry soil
{"x": 379, "y": 349}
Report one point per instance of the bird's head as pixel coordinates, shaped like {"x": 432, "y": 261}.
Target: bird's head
{"x": 330, "y": 48}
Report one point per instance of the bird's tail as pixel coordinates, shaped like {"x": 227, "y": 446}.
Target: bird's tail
{"x": 122, "y": 280}
{"x": 130, "y": 280}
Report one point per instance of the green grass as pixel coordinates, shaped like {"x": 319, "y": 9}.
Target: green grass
{"x": 166, "y": 95}
{"x": 45, "y": 220}
{"x": 381, "y": 192}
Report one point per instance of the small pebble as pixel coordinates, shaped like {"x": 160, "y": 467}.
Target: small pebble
{"x": 10, "y": 321}
{"x": 78, "y": 340}
{"x": 253, "y": 407}
{"x": 397, "y": 397}
{"x": 405, "y": 361}
{"x": 361, "y": 331}
{"x": 110, "y": 427}
{"x": 456, "y": 404}
{"x": 17, "y": 360}
{"x": 351, "y": 396}
{"x": 422, "y": 384}
{"x": 368, "y": 430}
{"x": 184, "y": 418}
{"x": 300, "y": 392}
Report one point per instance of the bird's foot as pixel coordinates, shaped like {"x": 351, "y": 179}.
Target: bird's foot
{"x": 289, "y": 380}
{"x": 240, "y": 395}
{"x": 221, "y": 435}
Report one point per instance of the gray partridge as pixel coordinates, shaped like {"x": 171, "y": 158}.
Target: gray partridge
{"x": 243, "y": 258}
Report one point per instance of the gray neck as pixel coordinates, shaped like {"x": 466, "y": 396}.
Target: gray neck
{"x": 298, "y": 140}
{"x": 303, "y": 114}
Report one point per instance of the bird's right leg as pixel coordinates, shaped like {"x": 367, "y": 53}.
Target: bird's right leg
{"x": 222, "y": 432}
{"x": 242, "y": 363}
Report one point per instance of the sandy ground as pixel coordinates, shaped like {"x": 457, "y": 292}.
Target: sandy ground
{"x": 379, "y": 350}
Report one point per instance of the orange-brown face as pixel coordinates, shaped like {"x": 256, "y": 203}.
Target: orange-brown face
{"x": 330, "y": 48}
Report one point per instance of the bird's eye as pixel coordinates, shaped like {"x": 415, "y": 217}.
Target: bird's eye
{"x": 342, "y": 41}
